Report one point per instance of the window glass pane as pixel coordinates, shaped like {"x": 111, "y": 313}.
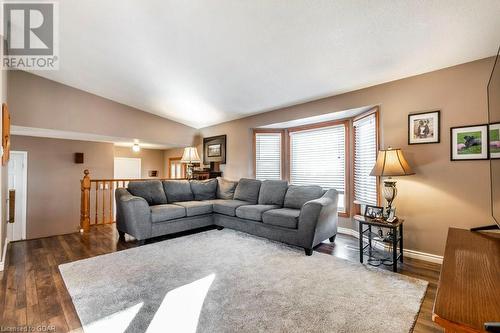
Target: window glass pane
{"x": 268, "y": 156}
{"x": 317, "y": 157}
{"x": 365, "y": 154}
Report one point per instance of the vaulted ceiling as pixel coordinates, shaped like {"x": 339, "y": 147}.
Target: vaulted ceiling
{"x": 204, "y": 62}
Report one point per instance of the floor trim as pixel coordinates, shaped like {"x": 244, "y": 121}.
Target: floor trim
{"x": 4, "y": 255}
{"x": 407, "y": 252}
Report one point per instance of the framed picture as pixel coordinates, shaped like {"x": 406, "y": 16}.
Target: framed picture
{"x": 494, "y": 133}
{"x": 374, "y": 212}
{"x": 424, "y": 127}
{"x": 214, "y": 149}
{"x": 469, "y": 143}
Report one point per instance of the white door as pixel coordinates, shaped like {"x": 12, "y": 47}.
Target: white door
{"x": 127, "y": 168}
{"x": 18, "y": 178}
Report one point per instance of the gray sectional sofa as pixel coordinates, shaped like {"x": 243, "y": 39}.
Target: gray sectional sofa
{"x": 298, "y": 215}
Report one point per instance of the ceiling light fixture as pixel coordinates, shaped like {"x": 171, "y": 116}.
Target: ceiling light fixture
{"x": 136, "y": 148}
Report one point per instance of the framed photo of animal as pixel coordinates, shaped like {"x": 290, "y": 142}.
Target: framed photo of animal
{"x": 494, "y": 132}
{"x": 424, "y": 127}
{"x": 469, "y": 143}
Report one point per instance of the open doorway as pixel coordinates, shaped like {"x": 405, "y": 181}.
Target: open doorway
{"x": 18, "y": 182}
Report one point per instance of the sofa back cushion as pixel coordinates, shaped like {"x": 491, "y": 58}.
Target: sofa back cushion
{"x": 177, "y": 190}
{"x": 272, "y": 192}
{"x": 225, "y": 188}
{"x": 297, "y": 196}
{"x": 247, "y": 190}
{"x": 204, "y": 189}
{"x": 150, "y": 190}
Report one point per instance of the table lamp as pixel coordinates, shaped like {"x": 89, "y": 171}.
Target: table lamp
{"x": 391, "y": 162}
{"x": 189, "y": 157}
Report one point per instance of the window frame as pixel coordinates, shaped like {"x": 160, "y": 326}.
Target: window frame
{"x": 370, "y": 112}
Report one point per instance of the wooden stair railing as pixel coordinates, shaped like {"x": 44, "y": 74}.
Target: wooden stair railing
{"x": 97, "y": 199}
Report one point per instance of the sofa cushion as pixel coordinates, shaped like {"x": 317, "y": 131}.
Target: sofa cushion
{"x": 297, "y": 196}
{"x": 283, "y": 217}
{"x": 225, "y": 188}
{"x": 247, "y": 190}
{"x": 161, "y": 213}
{"x": 227, "y": 207}
{"x": 150, "y": 190}
{"x": 194, "y": 208}
{"x": 204, "y": 189}
{"x": 177, "y": 190}
{"x": 272, "y": 192}
{"x": 253, "y": 212}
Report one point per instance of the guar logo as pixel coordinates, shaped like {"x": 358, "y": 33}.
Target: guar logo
{"x": 30, "y": 31}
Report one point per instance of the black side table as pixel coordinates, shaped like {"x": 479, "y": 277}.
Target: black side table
{"x": 396, "y": 228}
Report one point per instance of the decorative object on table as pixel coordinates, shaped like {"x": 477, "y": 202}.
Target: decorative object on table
{"x": 391, "y": 162}
{"x": 214, "y": 149}
{"x": 5, "y": 134}
{"x": 374, "y": 212}
{"x": 391, "y": 215}
{"x": 153, "y": 173}
{"x": 494, "y": 140}
{"x": 469, "y": 143}
{"x": 189, "y": 157}
{"x": 424, "y": 127}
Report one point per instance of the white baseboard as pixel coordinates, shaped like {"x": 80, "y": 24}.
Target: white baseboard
{"x": 4, "y": 254}
{"x": 406, "y": 252}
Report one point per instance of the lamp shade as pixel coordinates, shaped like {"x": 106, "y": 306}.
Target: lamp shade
{"x": 391, "y": 162}
{"x": 190, "y": 155}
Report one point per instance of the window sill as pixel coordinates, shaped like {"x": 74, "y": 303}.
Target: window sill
{"x": 343, "y": 214}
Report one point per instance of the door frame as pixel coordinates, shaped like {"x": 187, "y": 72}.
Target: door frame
{"x": 24, "y": 186}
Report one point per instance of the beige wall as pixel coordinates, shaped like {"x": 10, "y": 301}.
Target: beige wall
{"x": 53, "y": 203}
{"x": 151, "y": 159}
{"x": 53, "y": 105}
{"x": 442, "y": 193}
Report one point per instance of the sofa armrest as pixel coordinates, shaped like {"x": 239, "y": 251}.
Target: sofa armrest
{"x": 133, "y": 214}
{"x": 318, "y": 219}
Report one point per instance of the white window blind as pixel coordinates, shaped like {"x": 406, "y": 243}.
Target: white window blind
{"x": 268, "y": 156}
{"x": 317, "y": 157}
{"x": 365, "y": 155}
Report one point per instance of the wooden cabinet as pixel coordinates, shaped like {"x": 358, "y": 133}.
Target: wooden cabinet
{"x": 468, "y": 293}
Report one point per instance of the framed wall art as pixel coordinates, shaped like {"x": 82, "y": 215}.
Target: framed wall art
{"x": 214, "y": 149}
{"x": 424, "y": 127}
{"x": 469, "y": 143}
{"x": 494, "y": 140}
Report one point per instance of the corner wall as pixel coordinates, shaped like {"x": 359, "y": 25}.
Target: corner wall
{"x": 442, "y": 193}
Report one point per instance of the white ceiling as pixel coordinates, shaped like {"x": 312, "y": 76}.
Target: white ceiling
{"x": 204, "y": 62}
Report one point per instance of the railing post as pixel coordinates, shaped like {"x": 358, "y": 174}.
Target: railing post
{"x": 85, "y": 202}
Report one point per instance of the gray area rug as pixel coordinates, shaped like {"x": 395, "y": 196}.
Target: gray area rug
{"x": 227, "y": 281}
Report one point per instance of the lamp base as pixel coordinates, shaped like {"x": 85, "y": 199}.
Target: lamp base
{"x": 390, "y": 191}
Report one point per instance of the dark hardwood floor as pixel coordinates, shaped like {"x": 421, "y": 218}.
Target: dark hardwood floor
{"x": 32, "y": 292}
